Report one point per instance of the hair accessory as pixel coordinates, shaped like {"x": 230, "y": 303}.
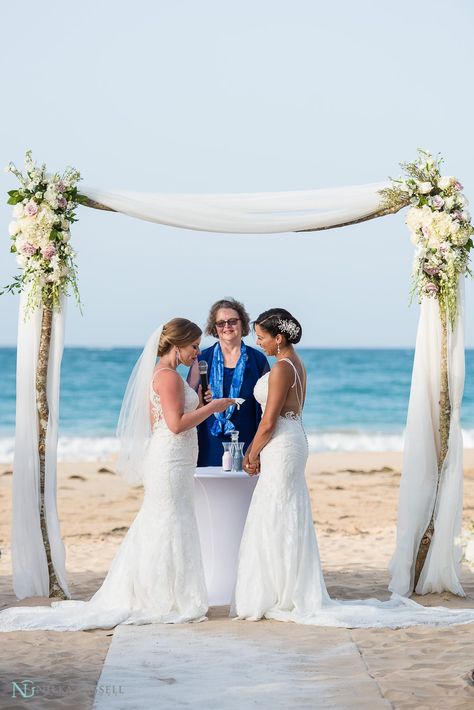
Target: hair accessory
{"x": 287, "y": 326}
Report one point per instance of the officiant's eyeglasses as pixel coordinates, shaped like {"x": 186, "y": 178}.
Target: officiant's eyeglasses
{"x": 231, "y": 322}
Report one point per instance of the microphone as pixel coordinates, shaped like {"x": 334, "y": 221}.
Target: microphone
{"x": 202, "y": 365}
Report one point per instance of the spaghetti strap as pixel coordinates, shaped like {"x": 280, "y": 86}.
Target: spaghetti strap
{"x": 297, "y": 379}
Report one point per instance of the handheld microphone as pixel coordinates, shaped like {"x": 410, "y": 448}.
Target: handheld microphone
{"x": 202, "y": 365}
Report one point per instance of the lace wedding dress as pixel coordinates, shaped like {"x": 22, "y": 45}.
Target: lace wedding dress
{"x": 157, "y": 573}
{"x": 279, "y": 574}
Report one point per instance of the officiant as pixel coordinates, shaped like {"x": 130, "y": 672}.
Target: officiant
{"x": 234, "y": 368}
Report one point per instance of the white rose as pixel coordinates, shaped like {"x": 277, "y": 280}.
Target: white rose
{"x": 18, "y": 210}
{"x": 446, "y": 181}
{"x": 424, "y": 187}
{"x": 13, "y": 228}
{"x": 65, "y": 236}
{"x": 448, "y": 203}
{"x": 21, "y": 260}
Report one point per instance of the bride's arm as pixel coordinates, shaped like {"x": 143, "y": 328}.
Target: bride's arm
{"x": 171, "y": 391}
{"x": 279, "y": 382}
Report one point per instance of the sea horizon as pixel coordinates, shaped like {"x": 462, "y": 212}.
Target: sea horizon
{"x": 357, "y": 398}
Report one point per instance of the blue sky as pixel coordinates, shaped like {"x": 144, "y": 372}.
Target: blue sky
{"x": 220, "y": 96}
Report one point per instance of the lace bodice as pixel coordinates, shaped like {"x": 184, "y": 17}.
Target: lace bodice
{"x": 261, "y": 393}
{"x": 191, "y": 401}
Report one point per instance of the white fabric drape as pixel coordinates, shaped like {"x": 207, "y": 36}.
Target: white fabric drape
{"x": 246, "y": 213}
{"x": 30, "y": 571}
{"x": 420, "y": 462}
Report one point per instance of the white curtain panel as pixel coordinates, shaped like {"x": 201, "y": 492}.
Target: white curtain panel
{"x": 30, "y": 570}
{"x": 420, "y": 463}
{"x": 247, "y": 213}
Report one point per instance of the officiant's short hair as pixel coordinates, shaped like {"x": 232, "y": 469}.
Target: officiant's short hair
{"x": 227, "y": 303}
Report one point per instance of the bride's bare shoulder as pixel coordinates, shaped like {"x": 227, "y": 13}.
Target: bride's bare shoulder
{"x": 166, "y": 378}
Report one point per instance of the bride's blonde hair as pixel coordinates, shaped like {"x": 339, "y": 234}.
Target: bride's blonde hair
{"x": 178, "y": 332}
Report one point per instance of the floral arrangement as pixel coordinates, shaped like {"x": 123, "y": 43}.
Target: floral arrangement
{"x": 440, "y": 228}
{"x": 43, "y": 212}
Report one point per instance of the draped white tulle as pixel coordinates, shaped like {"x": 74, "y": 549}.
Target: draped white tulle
{"x": 279, "y": 574}
{"x": 157, "y": 574}
{"x": 246, "y": 213}
{"x": 420, "y": 462}
{"x": 134, "y": 428}
{"x": 30, "y": 570}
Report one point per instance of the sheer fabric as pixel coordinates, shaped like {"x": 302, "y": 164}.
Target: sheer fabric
{"x": 420, "y": 462}
{"x": 30, "y": 571}
{"x": 246, "y": 213}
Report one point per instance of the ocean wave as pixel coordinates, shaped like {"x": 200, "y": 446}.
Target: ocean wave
{"x": 89, "y": 448}
{"x": 70, "y": 448}
{"x": 366, "y": 440}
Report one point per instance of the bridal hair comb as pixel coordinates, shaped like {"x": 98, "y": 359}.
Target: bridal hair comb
{"x": 288, "y": 327}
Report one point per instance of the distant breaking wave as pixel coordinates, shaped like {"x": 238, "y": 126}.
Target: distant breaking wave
{"x": 89, "y": 448}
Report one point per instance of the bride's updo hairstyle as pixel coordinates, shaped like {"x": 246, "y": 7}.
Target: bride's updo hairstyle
{"x": 280, "y": 321}
{"x": 178, "y": 333}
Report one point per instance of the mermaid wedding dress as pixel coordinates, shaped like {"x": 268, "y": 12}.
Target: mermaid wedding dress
{"x": 157, "y": 573}
{"x": 279, "y": 573}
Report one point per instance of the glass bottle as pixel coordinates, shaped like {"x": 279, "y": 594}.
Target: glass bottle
{"x": 227, "y": 456}
{"x": 237, "y": 451}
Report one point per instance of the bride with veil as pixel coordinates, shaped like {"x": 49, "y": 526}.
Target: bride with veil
{"x": 157, "y": 574}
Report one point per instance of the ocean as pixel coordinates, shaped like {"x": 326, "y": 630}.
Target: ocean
{"x": 357, "y": 399}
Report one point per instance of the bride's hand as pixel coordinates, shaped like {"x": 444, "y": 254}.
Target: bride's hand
{"x": 220, "y": 405}
{"x": 251, "y": 468}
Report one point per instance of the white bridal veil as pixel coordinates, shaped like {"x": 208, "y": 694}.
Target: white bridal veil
{"x": 134, "y": 427}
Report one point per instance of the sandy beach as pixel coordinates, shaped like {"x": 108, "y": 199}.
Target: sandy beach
{"x": 354, "y": 498}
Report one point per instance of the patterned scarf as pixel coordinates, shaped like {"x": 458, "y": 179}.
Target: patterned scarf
{"x": 216, "y": 384}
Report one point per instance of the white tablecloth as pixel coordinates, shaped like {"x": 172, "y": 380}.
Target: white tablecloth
{"x": 222, "y": 500}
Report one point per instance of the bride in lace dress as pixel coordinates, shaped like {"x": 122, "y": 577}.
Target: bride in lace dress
{"x": 157, "y": 573}
{"x": 279, "y": 573}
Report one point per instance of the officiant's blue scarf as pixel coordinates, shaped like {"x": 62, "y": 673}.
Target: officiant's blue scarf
{"x": 223, "y": 425}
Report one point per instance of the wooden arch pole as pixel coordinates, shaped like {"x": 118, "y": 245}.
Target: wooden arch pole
{"x": 55, "y": 589}
{"x": 444, "y": 426}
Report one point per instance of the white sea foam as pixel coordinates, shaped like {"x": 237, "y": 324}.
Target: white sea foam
{"x": 70, "y": 448}
{"x": 77, "y": 448}
{"x": 366, "y": 440}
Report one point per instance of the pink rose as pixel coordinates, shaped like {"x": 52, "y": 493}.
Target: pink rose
{"x": 431, "y": 288}
{"x": 28, "y": 249}
{"x": 457, "y": 186}
{"x": 430, "y": 270}
{"x": 426, "y": 232}
{"x": 438, "y": 202}
{"x": 62, "y": 202}
{"x": 49, "y": 251}
{"x": 31, "y": 208}
{"x": 61, "y": 186}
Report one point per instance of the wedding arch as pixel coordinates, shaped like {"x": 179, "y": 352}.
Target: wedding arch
{"x": 426, "y": 557}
